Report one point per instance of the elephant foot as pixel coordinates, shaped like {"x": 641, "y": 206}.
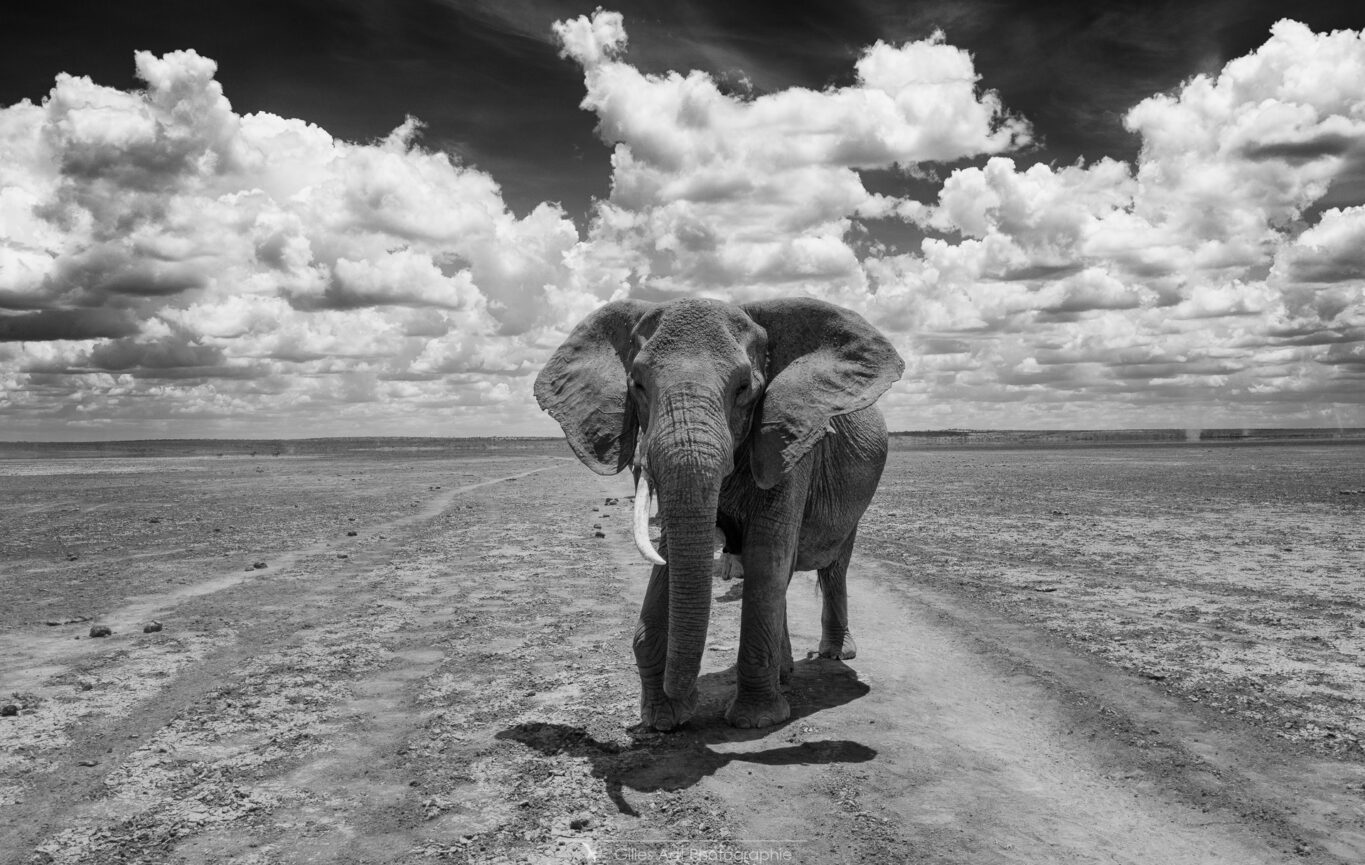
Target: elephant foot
{"x": 750, "y": 714}
{"x": 728, "y": 567}
{"x": 843, "y": 650}
{"x": 784, "y": 672}
{"x": 664, "y": 713}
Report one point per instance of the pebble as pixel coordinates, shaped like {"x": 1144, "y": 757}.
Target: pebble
{"x": 9, "y": 710}
{"x": 350, "y": 534}
{"x": 151, "y": 627}
{"x": 100, "y": 631}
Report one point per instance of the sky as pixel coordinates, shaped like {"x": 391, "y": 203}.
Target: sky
{"x": 305, "y": 218}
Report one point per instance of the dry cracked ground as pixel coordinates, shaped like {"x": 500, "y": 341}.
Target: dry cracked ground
{"x": 1117, "y": 654}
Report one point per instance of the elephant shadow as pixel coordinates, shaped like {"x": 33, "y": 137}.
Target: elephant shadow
{"x": 674, "y": 761}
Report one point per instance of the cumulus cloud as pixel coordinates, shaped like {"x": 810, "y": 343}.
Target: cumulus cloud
{"x": 718, "y": 193}
{"x": 163, "y": 256}
{"x": 1189, "y": 281}
{"x": 156, "y": 235}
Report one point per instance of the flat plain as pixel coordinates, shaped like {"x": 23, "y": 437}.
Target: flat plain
{"x": 407, "y": 653}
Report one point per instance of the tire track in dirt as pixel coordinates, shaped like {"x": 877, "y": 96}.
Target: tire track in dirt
{"x": 976, "y": 761}
{"x": 1297, "y": 800}
{"x": 32, "y": 654}
{"x": 462, "y": 689}
{"x": 139, "y": 693}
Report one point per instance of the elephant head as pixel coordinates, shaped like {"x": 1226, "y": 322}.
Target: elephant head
{"x": 681, "y": 391}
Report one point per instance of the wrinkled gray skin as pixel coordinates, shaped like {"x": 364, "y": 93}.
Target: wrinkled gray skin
{"x": 760, "y": 414}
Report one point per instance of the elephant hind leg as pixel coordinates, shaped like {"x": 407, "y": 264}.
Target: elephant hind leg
{"x": 836, "y": 641}
{"x": 784, "y": 674}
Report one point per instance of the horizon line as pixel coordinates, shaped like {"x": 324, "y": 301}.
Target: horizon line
{"x": 1186, "y": 430}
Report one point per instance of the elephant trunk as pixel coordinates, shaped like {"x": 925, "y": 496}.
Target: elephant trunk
{"x": 689, "y": 457}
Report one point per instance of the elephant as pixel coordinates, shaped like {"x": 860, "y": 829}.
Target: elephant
{"x": 756, "y": 417}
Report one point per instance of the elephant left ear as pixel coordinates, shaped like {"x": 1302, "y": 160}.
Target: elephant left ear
{"x": 823, "y": 361}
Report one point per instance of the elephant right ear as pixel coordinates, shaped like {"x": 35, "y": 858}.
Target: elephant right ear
{"x": 583, "y": 386}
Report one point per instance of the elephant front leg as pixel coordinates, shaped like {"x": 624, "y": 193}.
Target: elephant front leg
{"x": 657, "y": 709}
{"x": 764, "y": 647}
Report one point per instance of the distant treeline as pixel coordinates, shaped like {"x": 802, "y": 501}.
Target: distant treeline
{"x": 1069, "y": 438}
{"x": 403, "y": 447}
{"x": 436, "y": 448}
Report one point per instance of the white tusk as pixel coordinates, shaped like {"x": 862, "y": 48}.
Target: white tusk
{"x": 641, "y": 525}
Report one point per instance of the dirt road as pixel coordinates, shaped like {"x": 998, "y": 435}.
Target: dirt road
{"x": 452, "y": 681}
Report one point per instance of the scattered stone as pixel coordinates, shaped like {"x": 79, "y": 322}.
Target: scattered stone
{"x": 151, "y": 627}
{"x": 342, "y": 556}
{"x": 9, "y": 710}
{"x": 351, "y": 534}
{"x": 580, "y": 823}
{"x": 599, "y": 534}
{"x": 154, "y": 520}
{"x": 85, "y": 685}
{"x": 256, "y": 566}
{"x": 597, "y": 525}
{"x": 612, "y": 502}
{"x": 88, "y": 763}
{"x": 71, "y": 557}
{"x": 100, "y": 631}
{"x": 75, "y": 621}
{"x": 1045, "y": 588}
{"x": 1158, "y": 677}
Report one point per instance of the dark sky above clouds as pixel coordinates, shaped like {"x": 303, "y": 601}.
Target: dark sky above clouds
{"x": 411, "y": 281}
{"x": 487, "y": 80}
